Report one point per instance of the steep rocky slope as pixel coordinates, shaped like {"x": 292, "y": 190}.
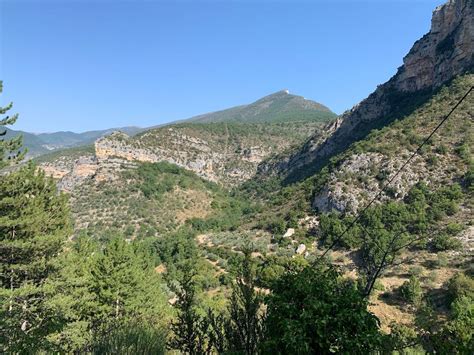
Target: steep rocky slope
{"x": 363, "y": 169}
{"x": 446, "y": 51}
{"x": 228, "y": 153}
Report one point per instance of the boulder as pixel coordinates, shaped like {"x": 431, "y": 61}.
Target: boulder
{"x": 301, "y": 249}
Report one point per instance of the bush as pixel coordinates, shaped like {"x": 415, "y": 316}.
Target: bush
{"x": 442, "y": 260}
{"x": 443, "y": 242}
{"x": 459, "y": 286}
{"x": 441, "y": 149}
{"x": 277, "y": 226}
{"x": 133, "y": 338}
{"x": 411, "y": 290}
{"x": 313, "y": 311}
{"x": 454, "y": 228}
{"x": 401, "y": 337}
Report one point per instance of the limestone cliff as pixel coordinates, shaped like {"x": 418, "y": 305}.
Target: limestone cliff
{"x": 227, "y": 153}
{"x": 220, "y": 152}
{"x": 446, "y": 51}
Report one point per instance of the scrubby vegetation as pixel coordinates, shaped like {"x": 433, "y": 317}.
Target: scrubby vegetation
{"x": 163, "y": 260}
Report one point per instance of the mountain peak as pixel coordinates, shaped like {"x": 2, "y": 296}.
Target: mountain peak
{"x": 285, "y": 93}
{"x": 281, "y": 106}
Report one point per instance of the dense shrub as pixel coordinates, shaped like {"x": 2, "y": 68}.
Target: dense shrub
{"x": 314, "y": 311}
{"x": 411, "y": 290}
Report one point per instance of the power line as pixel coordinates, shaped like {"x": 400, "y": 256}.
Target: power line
{"x": 377, "y": 196}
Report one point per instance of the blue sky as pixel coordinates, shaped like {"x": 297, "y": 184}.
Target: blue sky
{"x": 82, "y": 65}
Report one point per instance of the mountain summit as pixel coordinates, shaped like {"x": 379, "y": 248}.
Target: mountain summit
{"x": 280, "y": 106}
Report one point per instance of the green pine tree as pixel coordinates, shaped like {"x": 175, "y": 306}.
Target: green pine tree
{"x": 72, "y": 299}
{"x": 245, "y": 325}
{"x": 9, "y": 149}
{"x": 105, "y": 293}
{"x": 189, "y": 328}
{"x": 34, "y": 224}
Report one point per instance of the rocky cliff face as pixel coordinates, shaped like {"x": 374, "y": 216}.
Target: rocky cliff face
{"x": 220, "y": 152}
{"x": 358, "y": 177}
{"x": 185, "y": 151}
{"x": 446, "y": 51}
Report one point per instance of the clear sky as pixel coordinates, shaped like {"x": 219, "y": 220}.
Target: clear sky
{"x": 83, "y": 64}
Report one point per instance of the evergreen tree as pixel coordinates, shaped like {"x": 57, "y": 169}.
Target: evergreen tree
{"x": 245, "y": 326}
{"x": 124, "y": 282}
{"x": 189, "y": 328}
{"x": 72, "y": 298}
{"x": 104, "y": 293}
{"x": 34, "y": 224}
{"x": 9, "y": 149}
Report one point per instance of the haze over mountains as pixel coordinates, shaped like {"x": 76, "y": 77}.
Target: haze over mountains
{"x": 42, "y": 143}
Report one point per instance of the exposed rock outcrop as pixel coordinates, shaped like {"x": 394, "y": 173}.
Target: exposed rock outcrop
{"x": 355, "y": 182}
{"x": 388, "y": 156}
{"x": 187, "y": 152}
{"x": 84, "y": 168}
{"x": 223, "y": 157}
{"x": 446, "y": 51}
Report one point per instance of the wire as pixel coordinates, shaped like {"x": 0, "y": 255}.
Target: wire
{"x": 377, "y": 196}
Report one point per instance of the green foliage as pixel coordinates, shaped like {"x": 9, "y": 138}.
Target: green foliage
{"x": 315, "y": 311}
{"x": 332, "y": 226}
{"x": 460, "y": 285}
{"x": 244, "y": 329}
{"x": 176, "y": 251}
{"x": 66, "y": 154}
{"x": 385, "y": 230}
{"x": 441, "y": 260}
{"x": 34, "y": 225}
{"x": 411, "y": 290}
{"x": 9, "y": 149}
{"x": 456, "y": 335}
{"x": 402, "y": 338}
{"x": 131, "y": 338}
{"x": 159, "y": 178}
{"x": 277, "y": 226}
{"x": 270, "y": 270}
{"x": 443, "y": 241}
{"x": 103, "y": 290}
{"x": 277, "y": 107}
{"x": 469, "y": 178}
{"x": 189, "y": 328}
{"x": 155, "y": 199}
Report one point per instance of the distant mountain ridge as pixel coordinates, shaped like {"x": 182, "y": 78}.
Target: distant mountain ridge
{"x": 280, "y": 106}
{"x": 42, "y": 143}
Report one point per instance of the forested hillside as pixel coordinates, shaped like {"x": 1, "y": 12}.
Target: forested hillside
{"x": 272, "y": 227}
